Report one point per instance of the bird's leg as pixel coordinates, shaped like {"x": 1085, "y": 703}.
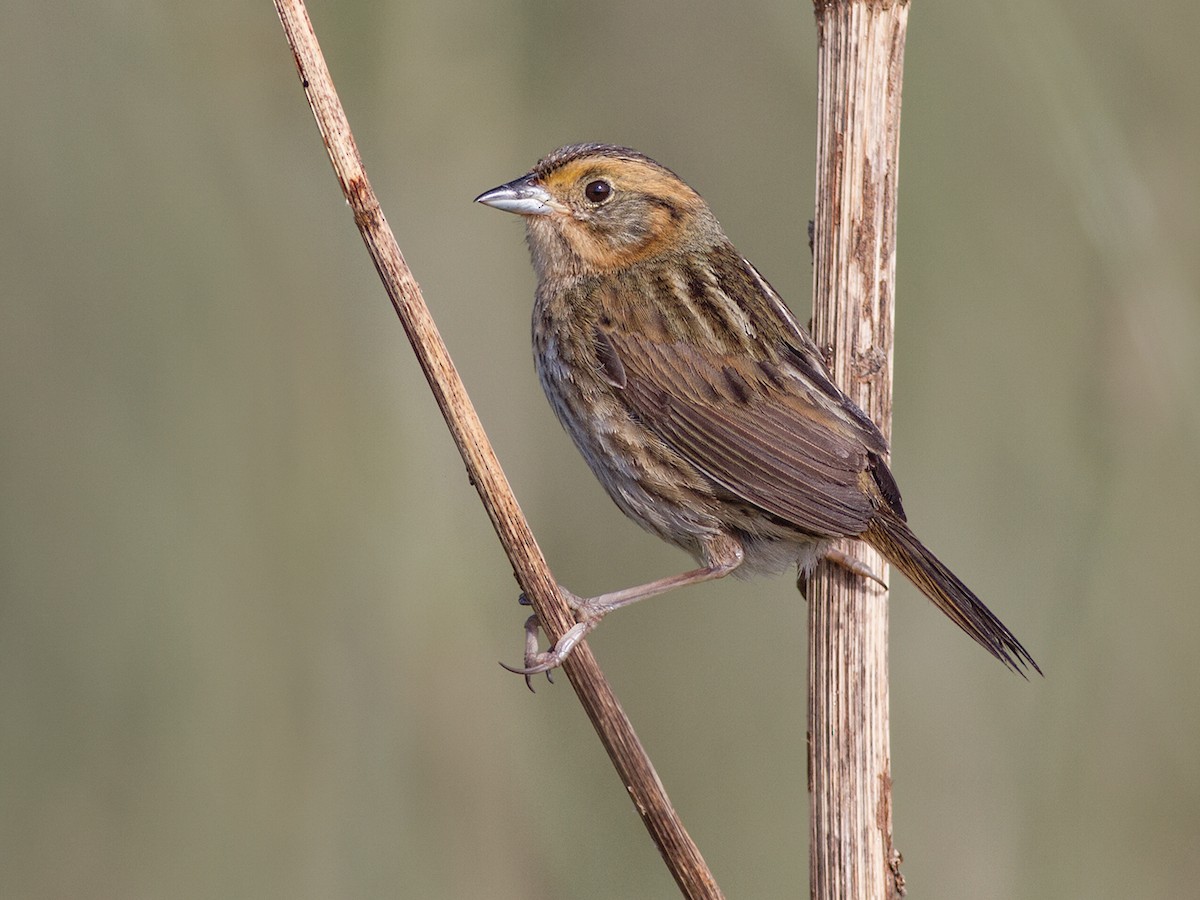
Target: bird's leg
{"x": 722, "y": 555}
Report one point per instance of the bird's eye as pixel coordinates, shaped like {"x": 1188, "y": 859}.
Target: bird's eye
{"x": 598, "y": 191}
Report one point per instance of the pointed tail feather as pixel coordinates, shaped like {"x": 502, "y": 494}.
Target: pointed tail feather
{"x": 893, "y": 538}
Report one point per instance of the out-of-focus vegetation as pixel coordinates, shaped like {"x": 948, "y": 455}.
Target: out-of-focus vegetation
{"x": 250, "y": 609}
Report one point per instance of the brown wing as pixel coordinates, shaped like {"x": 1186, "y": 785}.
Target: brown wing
{"x": 764, "y": 432}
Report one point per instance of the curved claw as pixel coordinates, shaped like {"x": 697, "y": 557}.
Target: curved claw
{"x": 537, "y": 661}
{"x": 528, "y": 675}
{"x": 531, "y": 649}
{"x": 845, "y": 561}
{"x": 543, "y": 662}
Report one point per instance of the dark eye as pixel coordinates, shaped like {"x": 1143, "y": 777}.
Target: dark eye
{"x": 598, "y": 191}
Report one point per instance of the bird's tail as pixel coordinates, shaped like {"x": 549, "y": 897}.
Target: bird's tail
{"x": 893, "y": 538}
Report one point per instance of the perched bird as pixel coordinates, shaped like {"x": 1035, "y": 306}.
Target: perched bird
{"x": 698, "y": 400}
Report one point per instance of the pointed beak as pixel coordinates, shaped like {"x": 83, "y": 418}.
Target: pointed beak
{"x": 525, "y": 197}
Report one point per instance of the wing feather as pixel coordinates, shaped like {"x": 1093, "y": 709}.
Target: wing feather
{"x": 772, "y": 442}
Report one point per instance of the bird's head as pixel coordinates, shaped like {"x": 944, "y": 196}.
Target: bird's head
{"x": 594, "y": 208}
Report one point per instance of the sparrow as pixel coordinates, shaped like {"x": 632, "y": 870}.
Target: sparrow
{"x": 700, "y": 403}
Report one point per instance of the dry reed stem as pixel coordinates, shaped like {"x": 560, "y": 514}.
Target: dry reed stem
{"x": 612, "y": 725}
{"x": 860, "y": 66}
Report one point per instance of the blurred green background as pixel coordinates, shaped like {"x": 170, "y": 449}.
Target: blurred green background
{"x": 251, "y": 609}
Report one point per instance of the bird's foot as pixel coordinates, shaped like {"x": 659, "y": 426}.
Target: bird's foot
{"x": 847, "y": 563}
{"x": 722, "y": 554}
{"x": 588, "y": 612}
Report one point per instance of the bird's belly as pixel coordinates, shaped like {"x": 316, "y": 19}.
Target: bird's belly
{"x": 650, "y": 483}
